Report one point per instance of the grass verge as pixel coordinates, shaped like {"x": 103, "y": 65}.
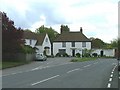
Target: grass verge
{"x": 83, "y": 59}
{"x": 7, "y": 64}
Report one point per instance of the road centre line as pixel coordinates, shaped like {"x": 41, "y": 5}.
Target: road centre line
{"x": 111, "y": 75}
{"x": 110, "y": 79}
{"x": 37, "y": 68}
{"x": 74, "y": 70}
{"x": 109, "y": 85}
{"x": 44, "y": 80}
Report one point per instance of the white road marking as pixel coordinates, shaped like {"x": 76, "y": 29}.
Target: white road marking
{"x": 87, "y": 65}
{"x": 110, "y": 79}
{"x": 113, "y": 63}
{"x": 73, "y": 70}
{"x": 45, "y": 80}
{"x": 111, "y": 75}
{"x": 112, "y": 72}
{"x": 109, "y": 85}
{"x": 34, "y": 69}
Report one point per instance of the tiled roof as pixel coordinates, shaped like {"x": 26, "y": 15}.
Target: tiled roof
{"x": 71, "y": 36}
{"x": 31, "y": 35}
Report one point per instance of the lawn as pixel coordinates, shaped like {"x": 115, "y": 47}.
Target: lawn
{"x": 7, "y": 64}
{"x": 83, "y": 59}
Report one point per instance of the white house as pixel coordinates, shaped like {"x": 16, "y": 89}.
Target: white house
{"x": 104, "y": 52}
{"x": 71, "y": 43}
{"x": 40, "y": 41}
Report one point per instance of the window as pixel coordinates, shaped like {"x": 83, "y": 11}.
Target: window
{"x": 63, "y": 44}
{"x": 46, "y": 40}
{"x": 83, "y": 44}
{"x": 73, "y": 44}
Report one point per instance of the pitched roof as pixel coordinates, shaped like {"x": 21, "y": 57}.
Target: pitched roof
{"x": 71, "y": 36}
{"x": 32, "y": 35}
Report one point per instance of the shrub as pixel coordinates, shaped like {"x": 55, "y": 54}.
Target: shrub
{"x": 95, "y": 54}
{"x": 78, "y": 54}
{"x": 65, "y": 55}
{"x": 58, "y": 55}
{"x": 86, "y": 55}
{"x": 28, "y": 49}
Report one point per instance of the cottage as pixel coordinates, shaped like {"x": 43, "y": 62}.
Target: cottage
{"x": 40, "y": 41}
{"x": 71, "y": 43}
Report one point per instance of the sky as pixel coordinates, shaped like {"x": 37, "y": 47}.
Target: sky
{"x": 98, "y": 18}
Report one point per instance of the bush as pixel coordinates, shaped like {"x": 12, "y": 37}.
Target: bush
{"x": 86, "y": 55}
{"x": 58, "y": 55}
{"x": 28, "y": 49}
{"x": 65, "y": 55}
{"x": 78, "y": 54}
{"x": 95, "y": 54}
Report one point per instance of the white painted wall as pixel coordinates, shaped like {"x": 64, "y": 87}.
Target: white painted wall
{"x": 33, "y": 42}
{"x": 78, "y": 47}
{"x": 106, "y": 52}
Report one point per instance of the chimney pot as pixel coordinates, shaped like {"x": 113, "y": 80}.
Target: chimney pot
{"x": 81, "y": 30}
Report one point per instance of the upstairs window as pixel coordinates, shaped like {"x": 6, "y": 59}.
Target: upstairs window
{"x": 63, "y": 44}
{"x": 83, "y": 44}
{"x": 46, "y": 40}
{"x": 73, "y": 44}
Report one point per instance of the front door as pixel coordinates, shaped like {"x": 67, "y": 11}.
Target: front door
{"x": 73, "y": 52}
{"x": 101, "y": 53}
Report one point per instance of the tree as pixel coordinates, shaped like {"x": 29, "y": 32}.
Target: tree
{"x": 64, "y": 28}
{"x": 97, "y": 43}
{"x": 51, "y": 32}
{"x": 11, "y": 36}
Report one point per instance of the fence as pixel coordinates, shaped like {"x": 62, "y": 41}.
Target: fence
{"x": 18, "y": 57}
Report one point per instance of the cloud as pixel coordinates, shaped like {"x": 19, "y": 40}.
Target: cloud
{"x": 96, "y": 17}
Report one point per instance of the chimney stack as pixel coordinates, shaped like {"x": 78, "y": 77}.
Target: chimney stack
{"x": 81, "y": 30}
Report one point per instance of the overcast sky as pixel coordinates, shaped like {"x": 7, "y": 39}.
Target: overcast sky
{"x": 99, "y": 18}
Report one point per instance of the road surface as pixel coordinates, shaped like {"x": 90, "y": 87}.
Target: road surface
{"x": 61, "y": 73}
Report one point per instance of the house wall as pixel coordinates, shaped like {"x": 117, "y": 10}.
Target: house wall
{"x": 78, "y": 47}
{"x": 33, "y": 42}
{"x": 44, "y": 44}
{"x": 47, "y": 44}
{"x": 106, "y": 52}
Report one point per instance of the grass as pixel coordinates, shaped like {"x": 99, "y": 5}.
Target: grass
{"x": 83, "y": 59}
{"x": 8, "y": 64}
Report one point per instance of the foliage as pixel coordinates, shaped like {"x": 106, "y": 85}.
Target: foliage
{"x": 83, "y": 59}
{"x": 11, "y": 36}
{"x": 86, "y": 53}
{"x": 64, "y": 28}
{"x": 94, "y": 54}
{"x": 60, "y": 55}
{"x": 65, "y": 55}
{"x": 97, "y": 43}
{"x": 78, "y": 54}
{"x": 51, "y": 32}
{"x": 28, "y": 49}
